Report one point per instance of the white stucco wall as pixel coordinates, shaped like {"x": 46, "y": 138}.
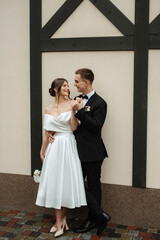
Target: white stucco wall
{"x": 14, "y": 87}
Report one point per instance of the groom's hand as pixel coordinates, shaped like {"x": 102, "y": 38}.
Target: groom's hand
{"x": 51, "y": 137}
{"x": 78, "y": 104}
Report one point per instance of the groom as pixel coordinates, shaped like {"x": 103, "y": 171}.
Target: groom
{"x": 91, "y": 111}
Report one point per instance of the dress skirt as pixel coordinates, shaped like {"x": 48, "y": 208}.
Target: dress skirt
{"x": 61, "y": 183}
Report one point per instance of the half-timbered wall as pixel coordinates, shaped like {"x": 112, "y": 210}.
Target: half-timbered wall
{"x": 114, "y": 80}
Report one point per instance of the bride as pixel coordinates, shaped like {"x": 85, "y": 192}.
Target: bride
{"x": 61, "y": 185}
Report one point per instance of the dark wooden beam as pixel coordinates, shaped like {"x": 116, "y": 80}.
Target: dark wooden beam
{"x": 117, "y": 18}
{"x": 87, "y": 44}
{"x": 154, "y": 26}
{"x": 35, "y": 83}
{"x": 154, "y": 42}
{"x": 59, "y": 18}
{"x": 140, "y": 92}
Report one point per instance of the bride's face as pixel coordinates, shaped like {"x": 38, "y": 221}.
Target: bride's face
{"x": 65, "y": 89}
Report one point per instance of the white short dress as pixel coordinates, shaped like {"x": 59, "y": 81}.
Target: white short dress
{"x": 61, "y": 183}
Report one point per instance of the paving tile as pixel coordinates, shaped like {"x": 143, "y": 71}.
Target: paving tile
{"x": 137, "y": 238}
{"x": 86, "y": 236}
{"x": 114, "y": 235}
{"x": 3, "y": 213}
{"x": 3, "y": 223}
{"x": 30, "y": 222}
{"x": 145, "y": 235}
{"x": 30, "y": 238}
{"x": 10, "y": 229}
{"x": 25, "y": 227}
{"x": 156, "y": 236}
{"x": 17, "y": 226}
{"x": 2, "y": 229}
{"x": 27, "y": 233}
{"x": 20, "y": 237}
{"x": 22, "y": 221}
{"x": 17, "y": 231}
{"x": 131, "y": 228}
{"x": 151, "y": 230}
{"x": 35, "y": 228}
{"x": 121, "y": 226}
{"x": 6, "y": 219}
{"x": 39, "y": 224}
{"x": 35, "y": 234}
{"x": 133, "y": 233}
{"x": 141, "y": 229}
{"x": 14, "y": 220}
{"x": 65, "y": 238}
{"x": 28, "y": 217}
{"x": 95, "y": 237}
{"x": 48, "y": 225}
{"x": 44, "y": 235}
{"x": 10, "y": 224}
{"x": 126, "y": 237}
{"x": 14, "y": 211}
{"x": 111, "y": 225}
{"x": 73, "y": 234}
{"x": 4, "y": 238}
{"x": 31, "y": 214}
{"x": 45, "y": 230}
{"x": 9, "y": 235}
{"x": 121, "y": 230}
{"x": 37, "y": 218}
{"x": 1, "y": 233}
{"x": 40, "y": 238}
{"x": 20, "y": 215}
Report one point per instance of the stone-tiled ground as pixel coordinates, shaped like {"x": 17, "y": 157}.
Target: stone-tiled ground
{"x": 15, "y": 224}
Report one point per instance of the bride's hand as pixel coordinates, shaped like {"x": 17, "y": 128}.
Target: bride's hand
{"x": 51, "y": 137}
{"x": 77, "y": 104}
{"x": 42, "y": 156}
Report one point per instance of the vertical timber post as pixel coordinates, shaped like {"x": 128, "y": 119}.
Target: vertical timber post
{"x": 140, "y": 92}
{"x": 35, "y": 83}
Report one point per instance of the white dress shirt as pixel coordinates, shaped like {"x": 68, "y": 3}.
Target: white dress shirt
{"x": 89, "y": 95}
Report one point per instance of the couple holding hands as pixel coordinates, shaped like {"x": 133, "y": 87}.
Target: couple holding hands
{"x": 73, "y": 150}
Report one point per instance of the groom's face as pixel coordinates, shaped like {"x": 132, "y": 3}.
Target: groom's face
{"x": 79, "y": 83}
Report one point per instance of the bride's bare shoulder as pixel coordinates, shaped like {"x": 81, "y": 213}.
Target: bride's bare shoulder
{"x": 49, "y": 108}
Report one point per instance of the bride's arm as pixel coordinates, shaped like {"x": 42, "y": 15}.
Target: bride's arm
{"x": 44, "y": 145}
{"x": 74, "y": 120}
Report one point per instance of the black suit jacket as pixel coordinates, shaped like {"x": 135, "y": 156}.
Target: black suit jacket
{"x": 88, "y": 134}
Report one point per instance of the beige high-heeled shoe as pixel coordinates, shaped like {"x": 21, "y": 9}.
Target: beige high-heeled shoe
{"x": 64, "y": 226}
{"x": 53, "y": 229}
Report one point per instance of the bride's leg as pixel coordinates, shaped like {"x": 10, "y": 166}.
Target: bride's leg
{"x": 64, "y": 209}
{"x": 59, "y": 218}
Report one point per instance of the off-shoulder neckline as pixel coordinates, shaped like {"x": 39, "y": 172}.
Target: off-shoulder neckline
{"x": 58, "y": 115}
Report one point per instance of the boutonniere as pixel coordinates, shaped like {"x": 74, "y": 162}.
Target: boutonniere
{"x": 36, "y": 176}
{"x": 87, "y": 108}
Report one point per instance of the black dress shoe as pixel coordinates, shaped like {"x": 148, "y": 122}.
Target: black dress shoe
{"x": 86, "y": 226}
{"x": 104, "y": 219}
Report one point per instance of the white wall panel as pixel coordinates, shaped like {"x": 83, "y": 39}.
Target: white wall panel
{"x": 14, "y": 87}
{"x": 153, "y": 141}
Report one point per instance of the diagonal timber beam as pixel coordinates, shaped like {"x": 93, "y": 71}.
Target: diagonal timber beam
{"x": 59, "y": 18}
{"x": 117, "y": 18}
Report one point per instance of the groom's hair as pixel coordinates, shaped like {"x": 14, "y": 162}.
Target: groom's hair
{"x": 86, "y": 74}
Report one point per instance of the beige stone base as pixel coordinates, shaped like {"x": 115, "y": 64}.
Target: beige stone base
{"x": 126, "y": 205}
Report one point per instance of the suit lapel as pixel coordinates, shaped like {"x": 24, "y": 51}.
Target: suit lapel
{"x": 91, "y": 100}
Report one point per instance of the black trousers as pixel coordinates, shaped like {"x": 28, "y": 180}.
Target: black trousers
{"x": 92, "y": 171}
